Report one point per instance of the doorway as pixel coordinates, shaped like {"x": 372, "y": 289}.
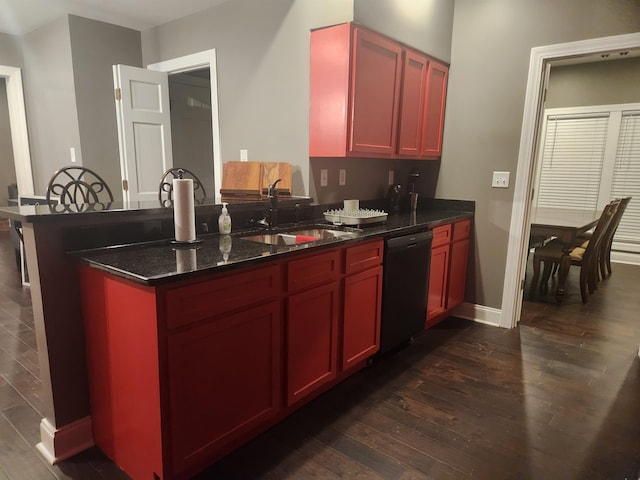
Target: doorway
{"x": 196, "y": 65}
{"x": 18, "y": 127}
{"x": 539, "y": 64}
{"x": 191, "y": 124}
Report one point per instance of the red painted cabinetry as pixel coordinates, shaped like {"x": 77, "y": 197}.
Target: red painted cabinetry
{"x": 183, "y": 373}
{"x": 312, "y": 324}
{"x": 412, "y": 102}
{"x": 362, "y": 302}
{"x": 439, "y": 271}
{"x": 433, "y": 122}
{"x": 371, "y": 96}
{"x": 448, "y": 270}
{"x": 224, "y": 379}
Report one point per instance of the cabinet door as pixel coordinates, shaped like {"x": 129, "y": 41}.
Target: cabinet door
{"x": 414, "y": 80}
{"x": 433, "y": 123}
{"x": 375, "y": 94}
{"x": 438, "y": 279}
{"x": 312, "y": 336}
{"x": 224, "y": 380}
{"x": 458, "y": 272}
{"x": 361, "y": 322}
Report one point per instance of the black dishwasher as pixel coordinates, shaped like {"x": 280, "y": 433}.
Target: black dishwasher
{"x": 404, "y": 288}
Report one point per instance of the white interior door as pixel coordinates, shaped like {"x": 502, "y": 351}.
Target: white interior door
{"x": 144, "y": 130}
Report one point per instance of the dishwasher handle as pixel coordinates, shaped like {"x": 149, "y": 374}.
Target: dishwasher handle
{"x": 409, "y": 241}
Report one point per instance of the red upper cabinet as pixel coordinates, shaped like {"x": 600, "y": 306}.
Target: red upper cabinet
{"x": 412, "y": 101}
{"x": 354, "y": 93}
{"x": 433, "y": 122}
{"x": 375, "y": 94}
{"x": 372, "y": 97}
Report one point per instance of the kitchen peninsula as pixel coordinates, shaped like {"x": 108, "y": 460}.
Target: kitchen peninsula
{"x": 56, "y": 286}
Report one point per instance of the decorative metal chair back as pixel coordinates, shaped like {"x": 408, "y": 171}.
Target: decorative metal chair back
{"x": 78, "y": 189}
{"x": 165, "y": 191}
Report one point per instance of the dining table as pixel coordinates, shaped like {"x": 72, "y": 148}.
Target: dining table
{"x": 566, "y": 225}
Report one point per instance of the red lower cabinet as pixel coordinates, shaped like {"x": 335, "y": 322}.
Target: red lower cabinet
{"x": 361, "y": 316}
{"x": 224, "y": 380}
{"x": 448, "y": 273}
{"x": 312, "y": 340}
{"x": 183, "y": 373}
{"x": 438, "y": 279}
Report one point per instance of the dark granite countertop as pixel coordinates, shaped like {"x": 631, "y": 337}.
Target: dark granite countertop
{"x": 159, "y": 262}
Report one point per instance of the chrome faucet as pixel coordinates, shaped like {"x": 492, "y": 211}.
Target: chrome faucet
{"x": 272, "y": 194}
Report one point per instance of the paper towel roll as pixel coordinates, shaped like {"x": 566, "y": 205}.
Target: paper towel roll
{"x": 186, "y": 260}
{"x": 183, "y": 210}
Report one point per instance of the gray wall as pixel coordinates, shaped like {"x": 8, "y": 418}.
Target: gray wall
{"x": 10, "y": 51}
{"x": 50, "y": 100}
{"x": 490, "y": 53}
{"x": 602, "y": 83}
{"x": 263, "y": 72}
{"x": 95, "y": 47}
{"x": 423, "y": 24}
{"x": 7, "y": 166}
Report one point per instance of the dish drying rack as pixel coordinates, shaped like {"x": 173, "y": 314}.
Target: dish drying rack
{"x": 341, "y": 216}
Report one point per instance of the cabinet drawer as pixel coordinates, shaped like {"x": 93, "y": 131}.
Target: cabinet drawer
{"x": 313, "y": 270}
{"x": 207, "y": 299}
{"x": 461, "y": 229}
{"x": 363, "y": 256}
{"x": 441, "y": 235}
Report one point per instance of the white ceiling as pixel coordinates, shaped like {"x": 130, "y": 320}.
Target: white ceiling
{"x": 18, "y": 17}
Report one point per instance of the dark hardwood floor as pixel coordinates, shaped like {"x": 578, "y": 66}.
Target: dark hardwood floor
{"x": 556, "y": 398}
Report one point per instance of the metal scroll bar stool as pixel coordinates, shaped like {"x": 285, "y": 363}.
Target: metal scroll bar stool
{"x": 165, "y": 190}
{"x": 78, "y": 189}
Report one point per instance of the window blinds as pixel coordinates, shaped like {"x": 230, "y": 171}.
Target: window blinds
{"x": 572, "y": 160}
{"x": 626, "y": 177}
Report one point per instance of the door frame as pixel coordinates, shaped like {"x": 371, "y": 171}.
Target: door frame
{"x": 198, "y": 61}
{"x": 18, "y": 127}
{"x": 540, "y": 60}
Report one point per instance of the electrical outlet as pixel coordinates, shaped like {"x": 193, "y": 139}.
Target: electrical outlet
{"x": 244, "y": 156}
{"x": 72, "y": 153}
{"x": 324, "y": 177}
{"x": 342, "y": 178}
{"x": 500, "y": 180}
{"x": 390, "y": 177}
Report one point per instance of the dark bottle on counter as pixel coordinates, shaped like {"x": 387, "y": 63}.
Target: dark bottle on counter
{"x": 394, "y": 198}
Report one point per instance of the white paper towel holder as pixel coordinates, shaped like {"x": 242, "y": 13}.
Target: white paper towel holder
{"x": 185, "y": 243}
{"x": 179, "y": 244}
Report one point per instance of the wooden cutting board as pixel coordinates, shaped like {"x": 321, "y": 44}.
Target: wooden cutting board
{"x": 271, "y": 171}
{"x": 251, "y": 179}
{"x": 241, "y": 178}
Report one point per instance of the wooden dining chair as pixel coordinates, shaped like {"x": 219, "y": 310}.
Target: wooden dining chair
{"x": 604, "y": 261}
{"x": 165, "y": 190}
{"x": 586, "y": 258}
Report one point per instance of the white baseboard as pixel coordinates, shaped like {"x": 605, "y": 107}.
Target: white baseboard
{"x": 479, "y": 313}
{"x": 59, "y": 444}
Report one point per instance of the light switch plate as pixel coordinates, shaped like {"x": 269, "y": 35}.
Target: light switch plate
{"x": 342, "y": 178}
{"x": 390, "y": 177}
{"x": 324, "y": 177}
{"x": 244, "y": 156}
{"x": 500, "y": 179}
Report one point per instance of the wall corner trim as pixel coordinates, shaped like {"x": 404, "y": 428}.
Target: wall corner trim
{"x": 59, "y": 444}
{"x": 478, "y": 313}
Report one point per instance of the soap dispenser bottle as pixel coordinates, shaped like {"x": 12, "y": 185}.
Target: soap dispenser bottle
{"x": 224, "y": 220}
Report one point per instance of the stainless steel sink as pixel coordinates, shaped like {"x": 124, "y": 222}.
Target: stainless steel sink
{"x": 300, "y": 235}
